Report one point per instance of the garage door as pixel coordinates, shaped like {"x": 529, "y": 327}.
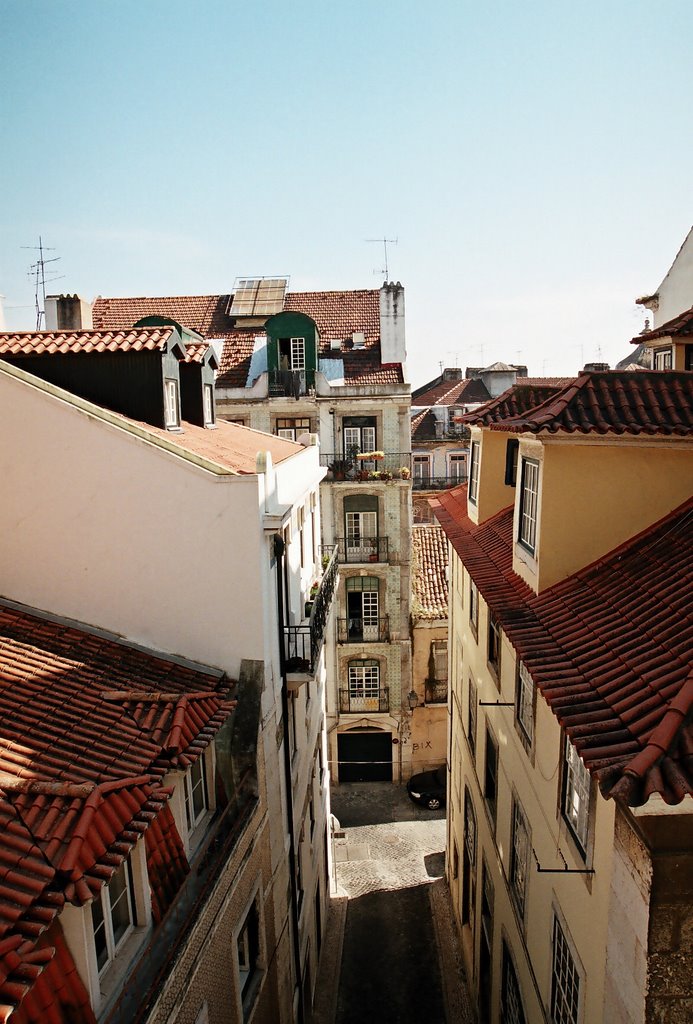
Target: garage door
{"x": 365, "y": 757}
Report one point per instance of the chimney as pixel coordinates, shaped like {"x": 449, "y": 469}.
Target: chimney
{"x": 595, "y": 367}
{"x": 392, "y": 341}
{"x": 68, "y": 313}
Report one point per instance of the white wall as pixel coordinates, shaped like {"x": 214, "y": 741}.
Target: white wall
{"x": 676, "y": 290}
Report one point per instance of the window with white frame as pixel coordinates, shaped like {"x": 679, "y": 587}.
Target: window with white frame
{"x": 439, "y": 653}
{"x": 358, "y": 435}
{"x": 576, "y": 795}
{"x": 512, "y": 1010}
{"x": 519, "y": 856}
{"x": 196, "y": 798}
{"x": 298, "y": 354}
{"x": 292, "y": 427}
{"x": 361, "y": 526}
{"x": 208, "y": 403}
{"x": 364, "y": 685}
{"x": 457, "y": 467}
{"x": 362, "y": 607}
{"x": 421, "y": 465}
{"x": 661, "y": 359}
{"x": 171, "y": 408}
{"x": 524, "y": 703}
{"x": 566, "y": 981}
{"x": 113, "y": 915}
{"x": 529, "y": 501}
{"x": 475, "y": 455}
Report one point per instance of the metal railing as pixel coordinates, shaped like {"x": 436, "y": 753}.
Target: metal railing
{"x": 359, "y": 702}
{"x": 350, "y": 468}
{"x": 363, "y": 549}
{"x": 436, "y": 691}
{"x": 304, "y": 642}
{"x": 290, "y": 383}
{"x": 359, "y": 630}
{"x": 437, "y": 483}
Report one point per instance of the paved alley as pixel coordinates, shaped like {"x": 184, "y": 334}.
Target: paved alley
{"x": 399, "y": 962}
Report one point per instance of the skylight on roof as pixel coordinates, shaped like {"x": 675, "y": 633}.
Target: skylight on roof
{"x": 258, "y": 296}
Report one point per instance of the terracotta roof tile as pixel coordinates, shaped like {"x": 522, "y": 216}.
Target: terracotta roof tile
{"x": 339, "y": 315}
{"x": 205, "y": 314}
{"x": 648, "y": 402}
{"x": 516, "y": 400}
{"x": 36, "y": 343}
{"x": 48, "y": 985}
{"x": 430, "y": 575}
{"x": 235, "y": 358}
{"x": 609, "y": 647}
{"x": 678, "y": 327}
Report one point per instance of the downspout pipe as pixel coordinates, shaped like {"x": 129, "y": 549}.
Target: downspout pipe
{"x": 279, "y": 551}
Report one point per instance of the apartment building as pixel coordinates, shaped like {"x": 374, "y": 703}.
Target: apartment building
{"x": 570, "y": 819}
{"x": 165, "y": 778}
{"x": 331, "y": 364}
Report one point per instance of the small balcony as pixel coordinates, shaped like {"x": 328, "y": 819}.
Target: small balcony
{"x": 436, "y": 691}
{"x": 437, "y": 483}
{"x": 358, "y": 468}
{"x": 362, "y": 549}
{"x": 303, "y": 643}
{"x": 363, "y": 631}
{"x": 290, "y": 383}
{"x": 358, "y": 703}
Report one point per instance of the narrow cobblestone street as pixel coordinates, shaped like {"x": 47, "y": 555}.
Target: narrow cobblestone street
{"x": 399, "y": 961}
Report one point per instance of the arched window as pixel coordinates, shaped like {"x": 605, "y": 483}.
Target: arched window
{"x": 364, "y": 685}
{"x": 362, "y": 593}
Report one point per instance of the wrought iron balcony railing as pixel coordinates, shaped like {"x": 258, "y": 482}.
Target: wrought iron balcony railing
{"x": 437, "y": 691}
{"x": 437, "y": 483}
{"x": 361, "y": 630}
{"x": 352, "y": 702}
{"x": 350, "y": 467}
{"x": 304, "y": 642}
{"x": 290, "y": 383}
{"x": 362, "y": 549}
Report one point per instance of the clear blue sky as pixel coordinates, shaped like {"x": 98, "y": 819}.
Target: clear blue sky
{"x": 534, "y": 159}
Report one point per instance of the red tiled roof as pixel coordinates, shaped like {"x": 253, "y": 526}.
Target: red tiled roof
{"x": 608, "y": 648}
{"x": 362, "y": 368}
{"x": 430, "y": 575}
{"x": 235, "y": 358}
{"x": 196, "y": 352}
{"x": 205, "y": 314}
{"x": 614, "y": 402}
{"x": 81, "y": 768}
{"x": 678, "y": 326}
{"x": 48, "y": 985}
{"x": 339, "y": 314}
{"x": 516, "y": 400}
{"x": 457, "y": 392}
{"x": 167, "y": 864}
{"x": 37, "y": 343}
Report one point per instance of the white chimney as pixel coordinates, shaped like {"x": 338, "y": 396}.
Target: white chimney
{"x": 68, "y": 313}
{"x": 392, "y": 341}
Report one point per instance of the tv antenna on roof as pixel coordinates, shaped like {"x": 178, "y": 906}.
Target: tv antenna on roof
{"x": 37, "y": 272}
{"x": 384, "y": 242}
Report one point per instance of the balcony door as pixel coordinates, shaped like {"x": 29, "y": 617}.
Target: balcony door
{"x": 361, "y": 527}
{"x": 359, "y": 436}
{"x": 362, "y": 608}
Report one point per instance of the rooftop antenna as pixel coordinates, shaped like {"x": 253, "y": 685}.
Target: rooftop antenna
{"x": 384, "y": 242}
{"x": 37, "y": 272}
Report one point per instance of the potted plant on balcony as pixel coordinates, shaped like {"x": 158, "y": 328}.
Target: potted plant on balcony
{"x": 405, "y": 472}
{"x": 339, "y": 468}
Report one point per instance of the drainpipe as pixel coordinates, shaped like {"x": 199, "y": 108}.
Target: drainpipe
{"x": 279, "y": 556}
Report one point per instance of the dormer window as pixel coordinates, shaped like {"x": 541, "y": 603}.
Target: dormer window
{"x": 661, "y": 359}
{"x": 529, "y": 500}
{"x": 171, "y": 403}
{"x": 196, "y": 802}
{"x": 511, "y": 452}
{"x": 112, "y": 915}
{"x": 208, "y": 404}
{"x": 292, "y": 353}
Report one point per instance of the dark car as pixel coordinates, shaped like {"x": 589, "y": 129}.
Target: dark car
{"x": 429, "y": 788}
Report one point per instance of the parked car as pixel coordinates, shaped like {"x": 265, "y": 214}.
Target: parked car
{"x": 429, "y": 788}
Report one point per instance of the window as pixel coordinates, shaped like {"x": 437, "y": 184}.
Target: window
{"x": 519, "y": 857}
{"x": 112, "y": 915}
{"x": 364, "y": 685}
{"x": 474, "y": 472}
{"x": 359, "y": 436}
{"x": 661, "y": 359}
{"x": 494, "y": 644}
{"x": 208, "y": 402}
{"x": 457, "y": 467}
{"x": 291, "y": 708}
{"x": 565, "y": 984}
{"x": 361, "y": 516}
{"x": 298, "y": 354}
{"x": 487, "y": 898}
{"x": 491, "y": 774}
{"x": 362, "y": 607}
{"x": 471, "y": 716}
{"x": 473, "y": 607}
{"x": 468, "y": 895}
{"x": 439, "y": 653}
{"x": 171, "y": 409}
{"x": 196, "y": 801}
{"x": 511, "y": 451}
{"x": 292, "y": 428}
{"x": 524, "y": 704}
{"x": 422, "y": 467}
{"x": 248, "y": 957}
{"x": 512, "y": 1010}
{"x": 576, "y": 795}
{"x": 528, "y": 504}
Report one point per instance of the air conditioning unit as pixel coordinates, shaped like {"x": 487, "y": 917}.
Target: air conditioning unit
{"x": 336, "y": 343}
{"x": 359, "y": 339}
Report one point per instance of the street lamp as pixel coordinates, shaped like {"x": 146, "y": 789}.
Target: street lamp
{"x": 413, "y": 699}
